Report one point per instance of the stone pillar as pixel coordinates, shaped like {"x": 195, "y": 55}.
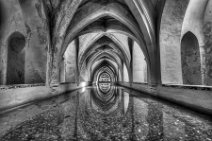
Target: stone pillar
{"x": 130, "y": 44}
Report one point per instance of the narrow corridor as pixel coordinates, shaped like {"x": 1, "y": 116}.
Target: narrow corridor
{"x": 105, "y": 70}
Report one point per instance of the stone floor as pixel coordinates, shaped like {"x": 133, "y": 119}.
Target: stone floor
{"x": 80, "y": 116}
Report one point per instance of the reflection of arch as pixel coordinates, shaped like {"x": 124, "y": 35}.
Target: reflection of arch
{"x": 16, "y": 58}
{"x": 104, "y": 66}
{"x": 104, "y": 76}
{"x": 190, "y": 59}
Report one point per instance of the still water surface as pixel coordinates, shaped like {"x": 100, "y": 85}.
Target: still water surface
{"x": 108, "y": 113}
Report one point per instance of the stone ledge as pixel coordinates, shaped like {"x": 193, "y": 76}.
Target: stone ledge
{"x": 5, "y": 87}
{"x": 13, "y": 98}
{"x": 198, "y": 100}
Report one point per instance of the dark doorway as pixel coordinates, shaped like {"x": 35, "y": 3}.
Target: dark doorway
{"x": 16, "y": 58}
{"x": 190, "y": 58}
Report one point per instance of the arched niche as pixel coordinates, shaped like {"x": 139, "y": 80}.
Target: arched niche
{"x": 125, "y": 74}
{"x": 139, "y": 65}
{"x": 16, "y": 59}
{"x": 190, "y": 59}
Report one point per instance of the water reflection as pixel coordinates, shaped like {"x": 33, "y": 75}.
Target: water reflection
{"x": 104, "y": 87}
{"x": 105, "y": 116}
{"x": 106, "y": 112}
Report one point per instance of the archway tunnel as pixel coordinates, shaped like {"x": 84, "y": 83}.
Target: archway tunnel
{"x": 105, "y": 70}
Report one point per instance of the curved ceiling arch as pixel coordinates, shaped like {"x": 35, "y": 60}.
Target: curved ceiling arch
{"x": 103, "y": 11}
{"x": 103, "y": 66}
{"x": 126, "y": 33}
{"x": 64, "y": 17}
{"x": 107, "y": 70}
{"x": 109, "y": 56}
{"x": 101, "y": 61}
{"x": 88, "y": 57}
{"x": 100, "y": 37}
{"x": 97, "y": 56}
{"x": 143, "y": 12}
{"x": 106, "y": 26}
{"x": 102, "y": 40}
{"x": 140, "y": 25}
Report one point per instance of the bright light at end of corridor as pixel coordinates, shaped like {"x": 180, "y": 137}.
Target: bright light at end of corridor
{"x": 83, "y": 85}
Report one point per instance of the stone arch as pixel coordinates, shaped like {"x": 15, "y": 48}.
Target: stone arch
{"x": 170, "y": 32}
{"x": 190, "y": 59}
{"x": 139, "y": 65}
{"x": 112, "y": 63}
{"x": 104, "y": 66}
{"x": 16, "y": 59}
{"x": 105, "y": 38}
{"x": 106, "y": 56}
{"x": 117, "y": 47}
{"x": 104, "y": 76}
{"x": 138, "y": 18}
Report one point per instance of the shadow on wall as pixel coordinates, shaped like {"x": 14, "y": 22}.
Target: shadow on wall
{"x": 1, "y": 15}
{"x": 191, "y": 65}
{"x": 16, "y": 58}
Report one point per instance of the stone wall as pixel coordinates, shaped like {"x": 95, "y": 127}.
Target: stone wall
{"x": 170, "y": 37}
{"x": 71, "y": 63}
{"x": 199, "y": 100}
{"x": 13, "y": 23}
{"x": 28, "y": 18}
{"x": 207, "y": 32}
{"x": 191, "y": 61}
{"x": 139, "y": 65}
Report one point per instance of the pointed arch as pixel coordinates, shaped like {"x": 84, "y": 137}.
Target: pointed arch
{"x": 190, "y": 59}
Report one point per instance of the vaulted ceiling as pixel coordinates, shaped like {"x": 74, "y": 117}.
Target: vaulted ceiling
{"x": 97, "y": 23}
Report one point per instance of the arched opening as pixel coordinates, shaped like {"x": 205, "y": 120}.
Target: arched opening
{"x": 104, "y": 82}
{"x": 125, "y": 74}
{"x": 68, "y": 68}
{"x": 190, "y": 59}
{"x": 16, "y": 59}
{"x": 139, "y": 65}
{"x": 104, "y": 77}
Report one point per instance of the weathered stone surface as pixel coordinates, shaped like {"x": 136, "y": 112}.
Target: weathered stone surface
{"x": 191, "y": 61}
{"x": 207, "y": 30}
{"x": 139, "y": 65}
{"x": 71, "y": 66}
{"x": 170, "y": 36}
{"x": 29, "y": 19}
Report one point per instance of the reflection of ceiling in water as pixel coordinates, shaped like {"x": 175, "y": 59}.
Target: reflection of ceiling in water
{"x": 106, "y": 102}
{"x": 104, "y": 77}
{"x": 104, "y": 112}
{"x": 134, "y": 116}
{"x": 104, "y": 87}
